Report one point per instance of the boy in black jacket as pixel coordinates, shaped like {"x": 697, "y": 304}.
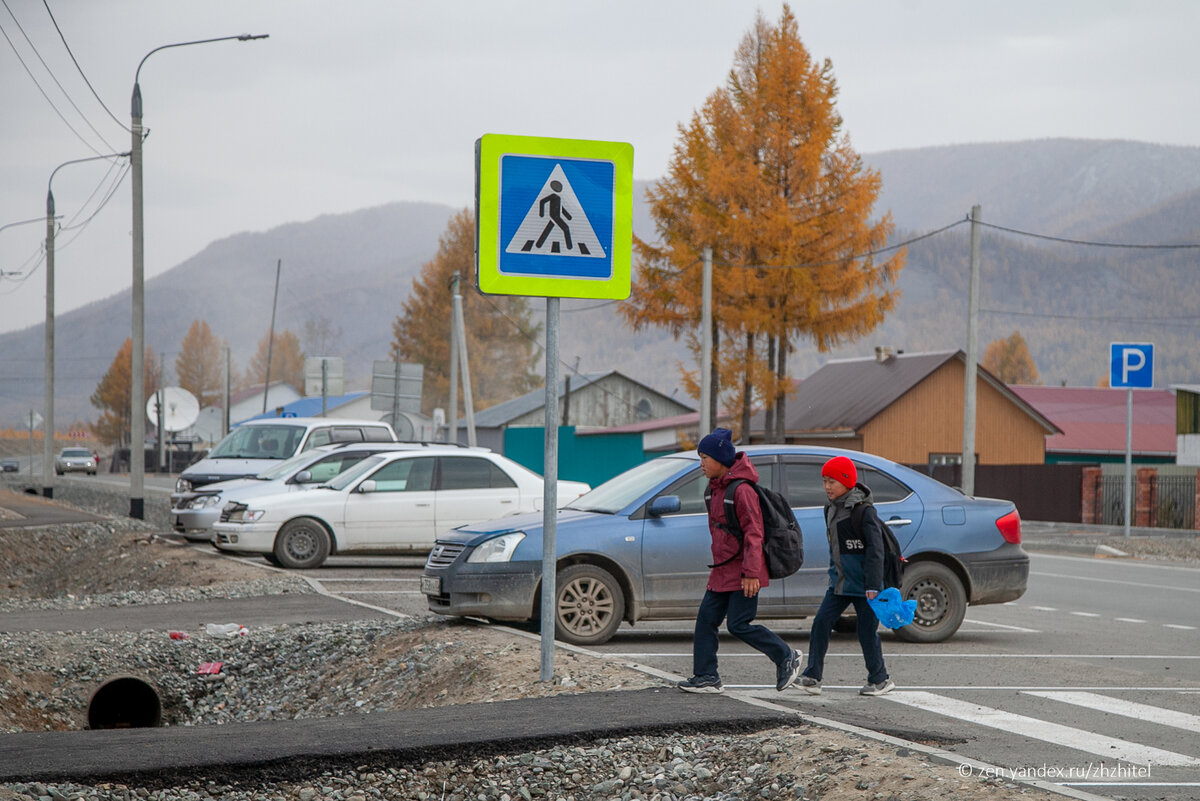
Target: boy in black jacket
{"x": 855, "y": 574}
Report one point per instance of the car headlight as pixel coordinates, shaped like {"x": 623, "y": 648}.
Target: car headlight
{"x": 205, "y": 501}
{"x": 497, "y": 549}
{"x": 183, "y": 485}
{"x": 253, "y": 515}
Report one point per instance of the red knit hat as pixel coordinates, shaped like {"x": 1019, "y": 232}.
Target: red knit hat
{"x": 842, "y": 470}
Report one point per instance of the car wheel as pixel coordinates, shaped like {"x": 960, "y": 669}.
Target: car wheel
{"x": 941, "y": 602}
{"x": 589, "y": 607}
{"x": 301, "y": 544}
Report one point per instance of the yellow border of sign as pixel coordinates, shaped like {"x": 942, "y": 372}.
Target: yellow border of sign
{"x": 488, "y": 150}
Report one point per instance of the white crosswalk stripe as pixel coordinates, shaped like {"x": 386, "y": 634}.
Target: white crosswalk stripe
{"x": 1129, "y": 709}
{"x": 1078, "y": 739}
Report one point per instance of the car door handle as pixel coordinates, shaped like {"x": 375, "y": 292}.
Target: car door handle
{"x": 423, "y": 505}
{"x": 898, "y": 521}
{"x": 508, "y": 501}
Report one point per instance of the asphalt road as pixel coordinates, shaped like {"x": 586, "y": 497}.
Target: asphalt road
{"x": 1091, "y": 680}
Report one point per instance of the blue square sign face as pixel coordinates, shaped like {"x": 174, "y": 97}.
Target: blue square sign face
{"x": 556, "y": 217}
{"x": 1131, "y": 365}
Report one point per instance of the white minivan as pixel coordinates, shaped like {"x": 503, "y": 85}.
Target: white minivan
{"x": 257, "y": 445}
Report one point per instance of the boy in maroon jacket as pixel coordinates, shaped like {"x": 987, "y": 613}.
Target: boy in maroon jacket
{"x": 738, "y": 572}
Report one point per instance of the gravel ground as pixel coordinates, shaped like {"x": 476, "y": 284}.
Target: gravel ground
{"x": 320, "y": 670}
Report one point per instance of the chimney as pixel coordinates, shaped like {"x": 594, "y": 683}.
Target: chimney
{"x": 883, "y": 353}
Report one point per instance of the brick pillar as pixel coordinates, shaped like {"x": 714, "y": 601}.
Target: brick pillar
{"x": 1091, "y": 493}
{"x": 1144, "y": 501}
{"x": 1196, "y": 504}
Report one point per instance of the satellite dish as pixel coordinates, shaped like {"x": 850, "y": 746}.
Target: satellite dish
{"x": 180, "y": 408}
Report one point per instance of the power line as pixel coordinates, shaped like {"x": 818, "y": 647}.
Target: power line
{"x": 76, "y": 63}
{"x": 1167, "y": 321}
{"x": 1089, "y": 244}
{"x": 844, "y": 259}
{"x": 52, "y": 77}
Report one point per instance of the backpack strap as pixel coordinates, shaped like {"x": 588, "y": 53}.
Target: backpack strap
{"x": 732, "y": 525}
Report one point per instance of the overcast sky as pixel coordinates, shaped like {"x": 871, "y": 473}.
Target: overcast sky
{"x": 363, "y": 102}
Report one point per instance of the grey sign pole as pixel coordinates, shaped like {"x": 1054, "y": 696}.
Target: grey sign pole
{"x": 550, "y": 492}
{"x": 1128, "y": 457}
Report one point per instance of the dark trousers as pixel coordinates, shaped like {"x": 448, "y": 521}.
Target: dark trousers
{"x": 740, "y": 610}
{"x": 822, "y": 626}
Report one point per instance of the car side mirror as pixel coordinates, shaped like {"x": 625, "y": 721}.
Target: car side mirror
{"x": 303, "y": 477}
{"x": 664, "y": 505}
{"x": 366, "y": 486}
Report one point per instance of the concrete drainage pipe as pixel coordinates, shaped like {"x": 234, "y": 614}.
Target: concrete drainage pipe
{"x": 124, "y": 702}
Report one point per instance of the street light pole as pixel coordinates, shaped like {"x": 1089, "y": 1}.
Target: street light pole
{"x": 48, "y": 427}
{"x": 137, "y": 389}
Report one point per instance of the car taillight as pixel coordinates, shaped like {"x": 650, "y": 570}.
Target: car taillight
{"x": 1010, "y": 527}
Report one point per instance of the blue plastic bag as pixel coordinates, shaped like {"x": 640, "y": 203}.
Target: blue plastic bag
{"x": 892, "y": 610}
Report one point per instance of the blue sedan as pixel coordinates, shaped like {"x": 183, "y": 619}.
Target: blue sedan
{"x": 637, "y": 548}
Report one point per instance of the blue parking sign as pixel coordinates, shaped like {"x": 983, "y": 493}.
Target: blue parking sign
{"x": 1131, "y": 365}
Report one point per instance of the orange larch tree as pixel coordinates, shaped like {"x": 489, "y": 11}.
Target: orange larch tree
{"x": 1010, "y": 360}
{"x": 764, "y": 176}
{"x": 113, "y": 397}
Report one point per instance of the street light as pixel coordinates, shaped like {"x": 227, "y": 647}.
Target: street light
{"x": 137, "y": 391}
{"x": 48, "y": 429}
{"x": 11, "y": 225}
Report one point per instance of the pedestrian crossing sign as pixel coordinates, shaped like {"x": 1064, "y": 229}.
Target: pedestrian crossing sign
{"x": 554, "y": 217}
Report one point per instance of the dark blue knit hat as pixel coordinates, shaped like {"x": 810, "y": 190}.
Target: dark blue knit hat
{"x": 719, "y": 445}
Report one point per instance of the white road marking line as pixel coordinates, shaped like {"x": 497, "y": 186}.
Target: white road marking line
{"x": 915, "y": 655}
{"x": 1178, "y": 626}
{"x": 1129, "y": 620}
{"x": 1116, "y": 581}
{"x": 1078, "y": 739}
{"x": 1086, "y": 614}
{"x": 1045, "y": 608}
{"x": 1091, "y": 561}
{"x": 380, "y": 592}
{"x": 328, "y": 579}
{"x": 1129, "y": 709}
{"x": 1000, "y": 626}
{"x": 1129, "y": 784}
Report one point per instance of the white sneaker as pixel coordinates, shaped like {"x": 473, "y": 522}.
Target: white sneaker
{"x": 810, "y": 685}
{"x": 882, "y": 688}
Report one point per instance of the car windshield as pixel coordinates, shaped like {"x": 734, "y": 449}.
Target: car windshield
{"x": 285, "y": 469}
{"x": 615, "y": 494}
{"x": 259, "y": 442}
{"x": 76, "y": 452}
{"x": 356, "y": 472}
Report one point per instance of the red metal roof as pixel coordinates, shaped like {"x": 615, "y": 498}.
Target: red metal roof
{"x": 1093, "y": 418}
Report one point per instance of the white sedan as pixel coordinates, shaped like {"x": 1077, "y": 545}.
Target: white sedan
{"x": 388, "y": 503}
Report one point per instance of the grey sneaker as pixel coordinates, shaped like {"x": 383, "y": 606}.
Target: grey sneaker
{"x": 810, "y": 685}
{"x": 785, "y": 674}
{"x": 882, "y": 688}
{"x": 701, "y": 684}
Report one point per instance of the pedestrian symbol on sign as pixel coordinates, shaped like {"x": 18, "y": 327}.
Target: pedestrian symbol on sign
{"x": 556, "y": 223}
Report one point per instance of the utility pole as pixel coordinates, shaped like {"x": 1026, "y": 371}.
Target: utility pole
{"x": 452, "y": 408}
{"x": 969, "y": 391}
{"x": 706, "y": 413}
{"x": 225, "y": 396}
{"x": 271, "y": 336}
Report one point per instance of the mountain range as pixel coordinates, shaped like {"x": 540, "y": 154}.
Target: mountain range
{"x": 348, "y": 274}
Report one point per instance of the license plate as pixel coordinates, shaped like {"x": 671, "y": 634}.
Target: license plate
{"x": 431, "y": 585}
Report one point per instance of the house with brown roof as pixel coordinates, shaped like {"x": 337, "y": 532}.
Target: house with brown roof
{"x": 908, "y": 407}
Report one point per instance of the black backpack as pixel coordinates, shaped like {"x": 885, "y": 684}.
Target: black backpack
{"x": 783, "y": 544}
{"x": 893, "y": 559}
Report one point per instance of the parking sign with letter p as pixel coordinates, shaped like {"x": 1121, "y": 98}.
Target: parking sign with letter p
{"x": 1131, "y": 365}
